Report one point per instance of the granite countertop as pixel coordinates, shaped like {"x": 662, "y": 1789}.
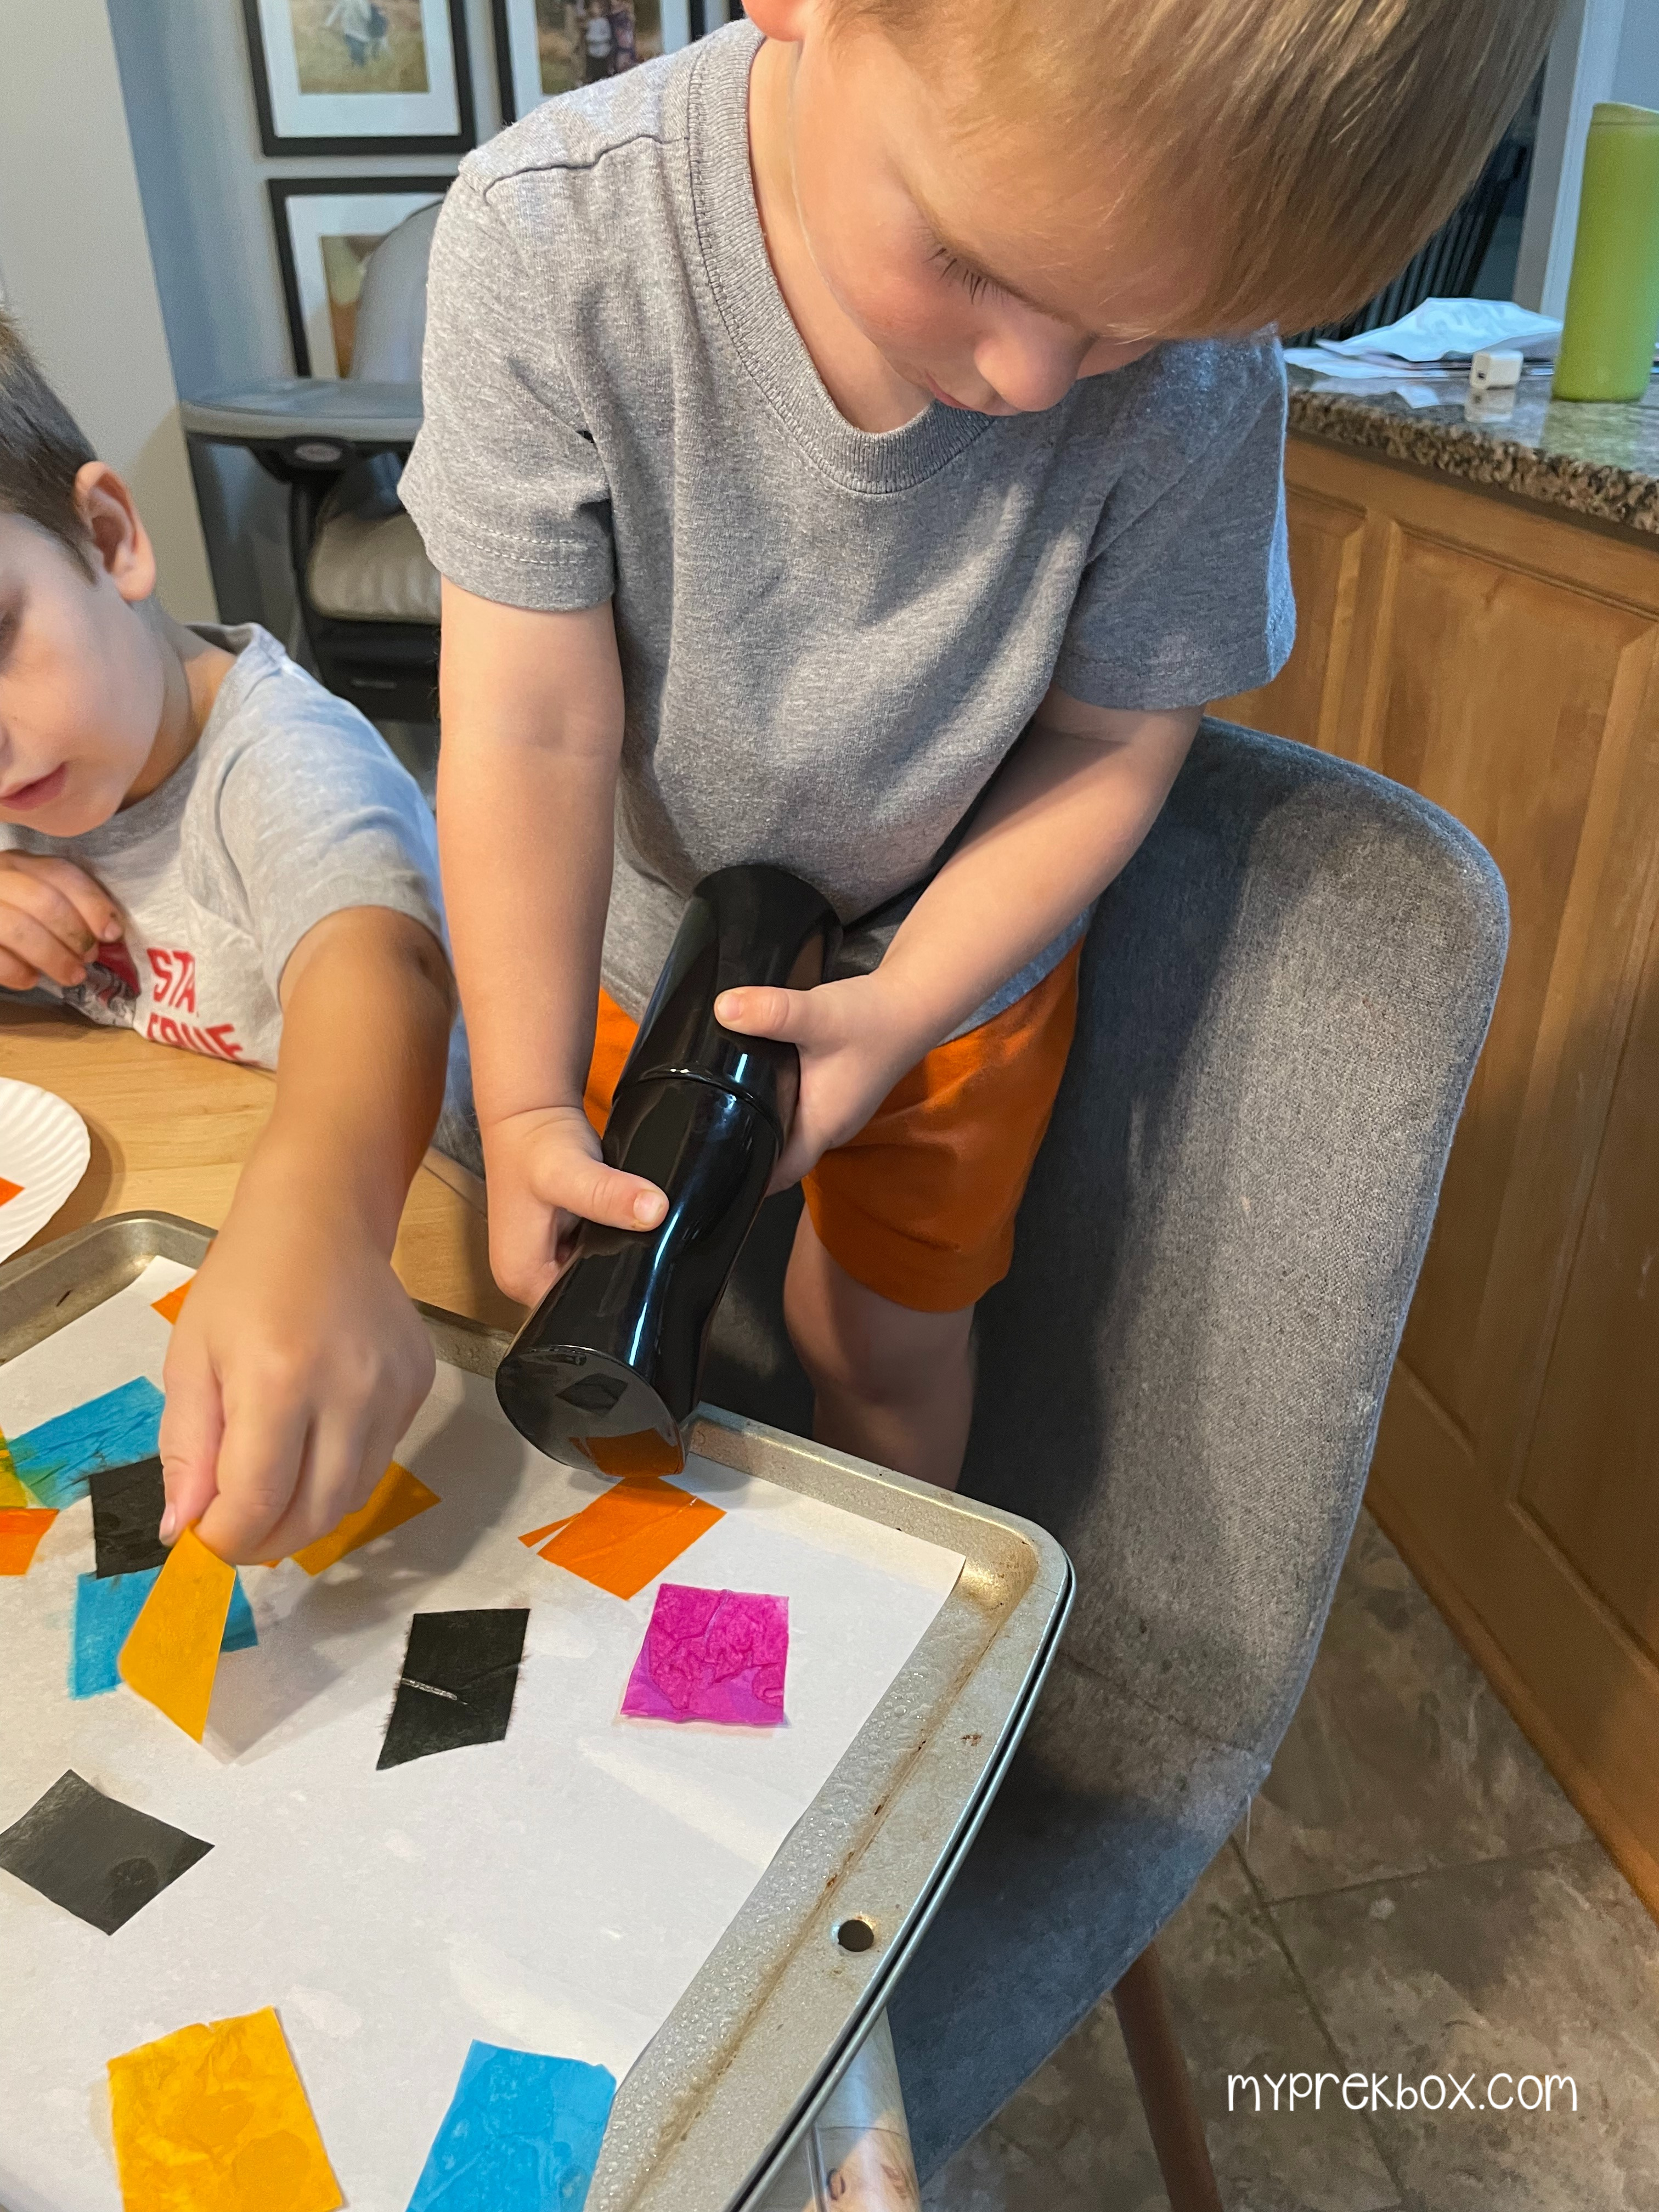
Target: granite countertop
{"x": 1592, "y": 459}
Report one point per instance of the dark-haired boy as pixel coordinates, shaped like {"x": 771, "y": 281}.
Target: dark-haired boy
{"x": 198, "y": 841}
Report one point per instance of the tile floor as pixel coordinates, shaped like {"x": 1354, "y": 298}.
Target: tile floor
{"x": 1414, "y": 1896}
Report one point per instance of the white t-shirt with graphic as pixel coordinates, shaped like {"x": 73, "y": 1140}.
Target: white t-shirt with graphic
{"x": 289, "y": 809}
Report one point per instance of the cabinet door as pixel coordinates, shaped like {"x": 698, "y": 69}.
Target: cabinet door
{"x": 1505, "y": 664}
{"x": 1305, "y": 699}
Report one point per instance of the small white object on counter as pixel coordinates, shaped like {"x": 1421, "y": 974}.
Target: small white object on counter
{"x": 43, "y": 1151}
{"x": 1494, "y": 372}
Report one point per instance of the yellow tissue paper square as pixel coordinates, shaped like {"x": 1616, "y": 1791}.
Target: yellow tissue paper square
{"x": 13, "y": 1496}
{"x": 215, "y": 2120}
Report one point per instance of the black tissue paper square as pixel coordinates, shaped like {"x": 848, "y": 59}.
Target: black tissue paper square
{"x": 127, "y": 1505}
{"x": 100, "y": 1859}
{"x": 460, "y": 1670}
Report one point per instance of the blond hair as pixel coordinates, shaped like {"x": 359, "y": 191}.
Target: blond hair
{"x": 1319, "y": 141}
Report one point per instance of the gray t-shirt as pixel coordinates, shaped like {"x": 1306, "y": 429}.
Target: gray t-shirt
{"x": 830, "y": 639}
{"x": 289, "y": 808}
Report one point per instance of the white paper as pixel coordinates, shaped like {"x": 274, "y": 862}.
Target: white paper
{"x": 1423, "y": 395}
{"x": 1338, "y": 369}
{"x": 1453, "y": 330}
{"x": 115, "y": 1343}
{"x": 558, "y": 1891}
{"x": 1365, "y": 381}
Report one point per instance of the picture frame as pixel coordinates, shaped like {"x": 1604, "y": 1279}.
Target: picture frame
{"x": 326, "y": 227}
{"x": 360, "y": 77}
{"x": 541, "y": 48}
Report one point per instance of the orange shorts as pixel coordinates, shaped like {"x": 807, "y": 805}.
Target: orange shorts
{"x": 920, "y": 1205}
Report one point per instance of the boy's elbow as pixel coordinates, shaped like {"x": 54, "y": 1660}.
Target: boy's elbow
{"x": 429, "y": 961}
{"x": 378, "y": 949}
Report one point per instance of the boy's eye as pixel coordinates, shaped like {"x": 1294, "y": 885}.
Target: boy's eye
{"x": 973, "y": 282}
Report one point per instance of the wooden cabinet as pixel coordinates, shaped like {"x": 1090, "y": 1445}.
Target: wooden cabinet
{"x": 1504, "y": 661}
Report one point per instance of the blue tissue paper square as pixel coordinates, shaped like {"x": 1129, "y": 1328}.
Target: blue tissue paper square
{"x": 106, "y": 1606}
{"x": 522, "y": 2134}
{"x": 56, "y": 1460}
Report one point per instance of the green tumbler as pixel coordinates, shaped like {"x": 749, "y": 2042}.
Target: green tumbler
{"x": 1613, "y": 297}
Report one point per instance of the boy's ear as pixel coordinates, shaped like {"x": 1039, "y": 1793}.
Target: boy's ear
{"x": 121, "y": 546}
{"x": 783, "y": 20}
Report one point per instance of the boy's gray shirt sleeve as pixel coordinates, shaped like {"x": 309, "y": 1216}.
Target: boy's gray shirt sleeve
{"x": 504, "y": 482}
{"x": 315, "y": 817}
{"x": 1186, "y": 596}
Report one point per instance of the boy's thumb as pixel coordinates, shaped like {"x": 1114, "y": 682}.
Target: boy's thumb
{"x": 193, "y": 1426}
{"x": 191, "y": 1487}
{"x": 762, "y": 1010}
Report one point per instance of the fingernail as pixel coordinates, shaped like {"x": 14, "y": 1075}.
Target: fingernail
{"x": 110, "y": 932}
{"x": 728, "y": 1008}
{"x": 169, "y": 1524}
{"x": 648, "y": 1209}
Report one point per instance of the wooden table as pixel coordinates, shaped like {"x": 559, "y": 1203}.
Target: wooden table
{"x": 170, "y": 1131}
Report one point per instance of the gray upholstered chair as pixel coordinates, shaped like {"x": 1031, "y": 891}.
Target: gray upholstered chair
{"x": 1282, "y": 1002}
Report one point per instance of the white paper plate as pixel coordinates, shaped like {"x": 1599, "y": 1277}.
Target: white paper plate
{"x": 44, "y": 1150}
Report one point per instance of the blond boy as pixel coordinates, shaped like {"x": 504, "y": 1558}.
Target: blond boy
{"x": 851, "y": 444}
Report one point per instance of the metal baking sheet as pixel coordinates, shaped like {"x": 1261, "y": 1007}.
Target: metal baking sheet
{"x": 719, "y": 2096}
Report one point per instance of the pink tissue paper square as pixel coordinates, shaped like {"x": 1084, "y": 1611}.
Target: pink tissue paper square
{"x": 712, "y": 1654}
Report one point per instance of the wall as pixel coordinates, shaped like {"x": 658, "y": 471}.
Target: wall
{"x": 189, "y": 88}
{"x": 76, "y": 268}
{"x": 1603, "y": 50}
{"x": 1636, "y": 75}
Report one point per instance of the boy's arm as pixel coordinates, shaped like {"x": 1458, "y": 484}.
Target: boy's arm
{"x": 1066, "y": 811}
{"x": 533, "y": 722}
{"x": 298, "y": 1361}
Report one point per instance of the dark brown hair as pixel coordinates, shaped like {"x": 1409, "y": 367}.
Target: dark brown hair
{"x": 42, "y": 450}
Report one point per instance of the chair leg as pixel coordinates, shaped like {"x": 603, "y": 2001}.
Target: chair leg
{"x": 1142, "y": 1999}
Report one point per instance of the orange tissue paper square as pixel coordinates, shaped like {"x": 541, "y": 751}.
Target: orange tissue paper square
{"x": 630, "y": 1534}
{"x": 172, "y": 1655}
{"x": 22, "y": 1528}
{"x": 171, "y": 1303}
{"x": 397, "y": 1497}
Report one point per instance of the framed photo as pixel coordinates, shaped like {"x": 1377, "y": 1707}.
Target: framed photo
{"x": 360, "y": 77}
{"x": 548, "y": 46}
{"x": 327, "y": 228}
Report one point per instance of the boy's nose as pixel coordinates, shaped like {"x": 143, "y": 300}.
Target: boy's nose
{"x": 1029, "y": 370}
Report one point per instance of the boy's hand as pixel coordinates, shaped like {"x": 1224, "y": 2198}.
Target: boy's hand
{"x": 297, "y": 1363}
{"x": 1068, "y": 807}
{"x": 546, "y": 1176}
{"x": 853, "y": 1048}
{"x": 53, "y": 917}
